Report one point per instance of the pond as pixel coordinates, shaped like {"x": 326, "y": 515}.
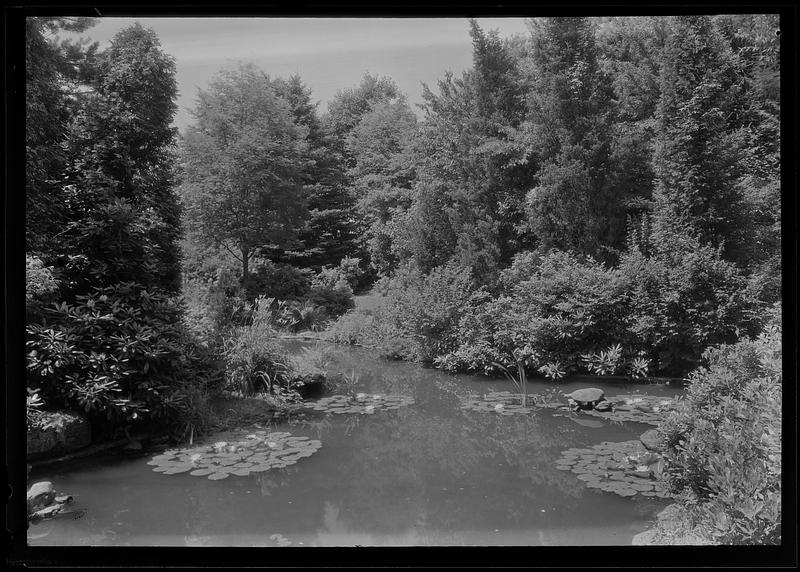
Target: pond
{"x": 429, "y": 473}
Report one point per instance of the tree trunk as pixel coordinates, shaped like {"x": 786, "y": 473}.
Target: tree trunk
{"x": 245, "y": 264}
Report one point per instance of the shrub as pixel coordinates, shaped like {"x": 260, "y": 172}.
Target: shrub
{"x": 683, "y": 300}
{"x": 39, "y": 281}
{"x": 724, "y": 449}
{"x": 280, "y": 281}
{"x": 348, "y": 272}
{"x": 422, "y": 311}
{"x": 335, "y": 301}
{"x": 354, "y": 327}
{"x": 115, "y": 353}
{"x": 307, "y": 317}
{"x": 214, "y": 305}
{"x": 559, "y": 304}
{"x": 661, "y": 311}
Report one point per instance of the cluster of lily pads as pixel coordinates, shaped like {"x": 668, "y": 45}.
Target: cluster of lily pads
{"x": 625, "y": 468}
{"x": 637, "y": 408}
{"x": 257, "y": 452}
{"x": 361, "y": 403}
{"x": 506, "y": 403}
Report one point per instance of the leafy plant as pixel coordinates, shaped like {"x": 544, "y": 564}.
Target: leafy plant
{"x": 115, "y": 352}
{"x": 553, "y": 370}
{"x": 724, "y": 447}
{"x": 334, "y": 300}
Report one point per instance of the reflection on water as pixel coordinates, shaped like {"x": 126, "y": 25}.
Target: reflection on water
{"x": 428, "y": 474}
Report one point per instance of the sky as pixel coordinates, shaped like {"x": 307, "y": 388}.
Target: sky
{"x": 329, "y": 54}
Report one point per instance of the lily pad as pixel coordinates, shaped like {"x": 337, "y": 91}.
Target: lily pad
{"x": 256, "y": 452}
{"x": 648, "y": 409}
{"x": 500, "y": 402}
{"x": 362, "y": 404}
{"x": 614, "y": 467}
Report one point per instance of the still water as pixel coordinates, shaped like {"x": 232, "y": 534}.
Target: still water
{"x": 427, "y": 474}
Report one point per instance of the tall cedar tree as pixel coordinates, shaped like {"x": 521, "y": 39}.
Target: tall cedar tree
{"x": 471, "y": 180}
{"x": 574, "y": 206}
{"x": 697, "y": 155}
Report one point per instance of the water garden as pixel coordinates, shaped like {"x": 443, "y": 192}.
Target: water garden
{"x": 404, "y": 458}
{"x": 531, "y": 316}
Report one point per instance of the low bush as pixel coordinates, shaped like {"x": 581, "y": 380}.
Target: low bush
{"x": 684, "y": 298}
{"x": 651, "y": 314}
{"x": 724, "y": 449}
{"x": 568, "y": 309}
{"x": 354, "y": 327}
{"x": 39, "y": 281}
{"x": 348, "y": 272}
{"x": 214, "y": 305}
{"x": 280, "y": 281}
{"x": 335, "y": 300}
{"x": 118, "y": 354}
{"x": 420, "y": 317}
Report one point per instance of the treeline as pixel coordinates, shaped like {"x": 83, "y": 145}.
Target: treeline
{"x": 611, "y": 187}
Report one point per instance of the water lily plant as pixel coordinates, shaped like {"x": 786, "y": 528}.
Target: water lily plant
{"x": 524, "y": 356}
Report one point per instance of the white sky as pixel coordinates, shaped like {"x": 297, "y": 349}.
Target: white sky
{"x": 328, "y": 53}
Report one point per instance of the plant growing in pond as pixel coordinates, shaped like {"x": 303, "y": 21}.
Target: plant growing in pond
{"x": 638, "y": 367}
{"x": 361, "y": 403}
{"x": 349, "y": 383}
{"x": 553, "y": 370}
{"x": 606, "y": 362}
{"x": 522, "y": 357}
{"x": 255, "y": 453}
{"x": 613, "y": 360}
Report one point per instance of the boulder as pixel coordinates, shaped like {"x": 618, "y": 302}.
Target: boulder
{"x": 586, "y": 397}
{"x": 652, "y": 441}
{"x": 40, "y": 495}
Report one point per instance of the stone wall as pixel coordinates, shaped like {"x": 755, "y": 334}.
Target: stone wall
{"x": 64, "y": 432}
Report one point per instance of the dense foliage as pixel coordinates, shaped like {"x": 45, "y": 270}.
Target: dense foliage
{"x": 606, "y": 183}
{"x": 724, "y": 449}
{"x": 104, "y": 331}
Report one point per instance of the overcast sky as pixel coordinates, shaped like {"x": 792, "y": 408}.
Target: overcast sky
{"x": 328, "y": 53}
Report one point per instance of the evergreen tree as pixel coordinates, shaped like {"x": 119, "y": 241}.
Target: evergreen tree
{"x": 50, "y": 74}
{"x": 471, "y": 173}
{"x": 331, "y": 232}
{"x": 575, "y": 204}
{"x": 119, "y": 192}
{"x": 696, "y": 155}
